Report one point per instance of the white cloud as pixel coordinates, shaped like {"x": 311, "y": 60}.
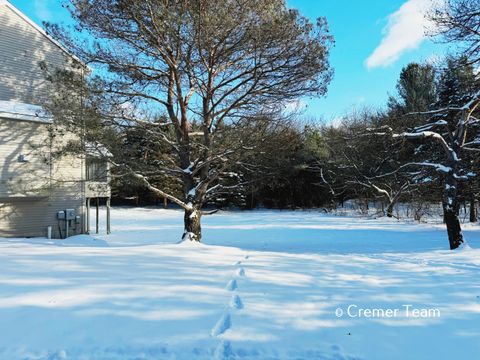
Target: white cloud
{"x": 406, "y": 30}
{"x": 42, "y": 10}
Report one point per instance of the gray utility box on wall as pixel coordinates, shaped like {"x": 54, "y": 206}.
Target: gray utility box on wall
{"x": 68, "y": 217}
{"x": 70, "y": 214}
{"x": 61, "y": 215}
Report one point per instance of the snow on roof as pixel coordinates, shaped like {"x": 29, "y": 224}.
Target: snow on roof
{"x": 96, "y": 149}
{"x": 24, "y": 112}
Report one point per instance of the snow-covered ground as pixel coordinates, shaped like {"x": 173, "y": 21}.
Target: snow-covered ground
{"x": 266, "y": 285}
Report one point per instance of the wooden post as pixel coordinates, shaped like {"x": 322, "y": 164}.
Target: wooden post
{"x": 108, "y": 216}
{"x": 87, "y": 225}
{"x": 96, "y": 220}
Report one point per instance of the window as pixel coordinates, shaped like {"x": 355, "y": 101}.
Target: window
{"x": 97, "y": 170}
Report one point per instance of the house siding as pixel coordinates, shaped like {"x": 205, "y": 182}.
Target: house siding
{"x": 23, "y": 48}
{"x": 32, "y": 192}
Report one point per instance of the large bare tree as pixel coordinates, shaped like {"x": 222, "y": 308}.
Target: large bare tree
{"x": 458, "y": 21}
{"x": 210, "y": 67}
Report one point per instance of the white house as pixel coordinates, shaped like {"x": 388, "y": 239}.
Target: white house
{"x": 40, "y": 195}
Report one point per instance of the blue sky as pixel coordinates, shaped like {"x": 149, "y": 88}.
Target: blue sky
{"x": 359, "y": 27}
{"x": 374, "y": 40}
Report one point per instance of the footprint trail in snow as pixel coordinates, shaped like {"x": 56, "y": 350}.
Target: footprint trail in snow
{"x": 224, "y": 348}
{"x": 222, "y": 325}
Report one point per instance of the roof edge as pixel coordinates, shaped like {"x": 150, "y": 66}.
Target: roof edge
{"x": 24, "y": 118}
{"x": 18, "y": 111}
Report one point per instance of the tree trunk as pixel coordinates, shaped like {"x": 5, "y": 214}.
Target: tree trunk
{"x": 444, "y": 218}
{"x": 390, "y": 207}
{"x": 451, "y": 209}
{"x": 473, "y": 210}
{"x": 455, "y": 237}
{"x": 193, "y": 229}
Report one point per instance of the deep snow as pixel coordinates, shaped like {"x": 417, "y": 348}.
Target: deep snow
{"x": 266, "y": 285}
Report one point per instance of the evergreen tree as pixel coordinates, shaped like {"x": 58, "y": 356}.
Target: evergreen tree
{"x": 416, "y": 89}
